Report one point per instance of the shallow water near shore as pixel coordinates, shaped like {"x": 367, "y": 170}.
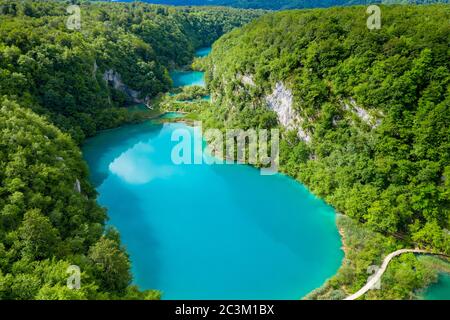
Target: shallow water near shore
{"x": 439, "y": 290}
{"x": 187, "y": 78}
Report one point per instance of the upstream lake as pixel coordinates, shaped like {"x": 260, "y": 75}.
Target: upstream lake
{"x": 190, "y": 78}
{"x": 210, "y": 231}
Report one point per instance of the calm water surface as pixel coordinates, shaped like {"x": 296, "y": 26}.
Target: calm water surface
{"x": 187, "y": 78}
{"x": 190, "y": 78}
{"x": 210, "y": 231}
{"x": 203, "y": 52}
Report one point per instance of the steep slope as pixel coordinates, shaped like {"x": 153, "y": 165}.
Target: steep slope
{"x": 286, "y": 4}
{"x": 366, "y": 123}
{"x": 81, "y": 78}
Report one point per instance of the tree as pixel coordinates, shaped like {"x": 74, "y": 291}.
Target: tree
{"x": 111, "y": 265}
{"x": 39, "y": 237}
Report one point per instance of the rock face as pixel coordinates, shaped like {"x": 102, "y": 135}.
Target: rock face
{"x": 281, "y": 101}
{"x": 247, "y": 79}
{"x": 114, "y": 79}
{"x": 362, "y": 113}
{"x": 77, "y": 186}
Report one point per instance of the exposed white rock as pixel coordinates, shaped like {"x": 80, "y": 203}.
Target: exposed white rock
{"x": 77, "y": 186}
{"x": 303, "y": 135}
{"x": 247, "y": 79}
{"x": 362, "y": 113}
{"x": 114, "y": 78}
{"x": 281, "y": 101}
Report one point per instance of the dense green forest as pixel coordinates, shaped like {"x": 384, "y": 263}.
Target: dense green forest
{"x": 52, "y": 95}
{"x": 370, "y": 131}
{"x": 286, "y": 4}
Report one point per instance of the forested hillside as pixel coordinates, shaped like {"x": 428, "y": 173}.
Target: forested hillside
{"x": 365, "y": 113}
{"x": 49, "y": 218}
{"x": 287, "y": 4}
{"x": 60, "y": 73}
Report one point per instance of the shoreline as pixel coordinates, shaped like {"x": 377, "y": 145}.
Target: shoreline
{"x": 345, "y": 248}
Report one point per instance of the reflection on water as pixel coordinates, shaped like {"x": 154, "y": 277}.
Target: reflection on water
{"x": 210, "y": 231}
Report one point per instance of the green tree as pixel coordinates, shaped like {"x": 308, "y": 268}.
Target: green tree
{"x": 111, "y": 265}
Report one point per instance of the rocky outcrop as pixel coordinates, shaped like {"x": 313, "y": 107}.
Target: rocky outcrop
{"x": 246, "y": 79}
{"x": 281, "y": 101}
{"x": 114, "y": 79}
{"x": 364, "y": 115}
{"x": 94, "y": 69}
{"x": 77, "y": 186}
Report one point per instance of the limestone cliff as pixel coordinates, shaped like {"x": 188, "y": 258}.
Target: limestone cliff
{"x": 281, "y": 101}
{"x": 114, "y": 79}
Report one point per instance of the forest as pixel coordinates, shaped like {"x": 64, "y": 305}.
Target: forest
{"x": 59, "y": 73}
{"x": 286, "y": 4}
{"x": 53, "y": 95}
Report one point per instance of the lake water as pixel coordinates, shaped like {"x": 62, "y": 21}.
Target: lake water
{"x": 187, "y": 78}
{"x": 203, "y": 52}
{"x": 210, "y": 231}
{"x": 190, "y": 78}
{"x": 439, "y": 290}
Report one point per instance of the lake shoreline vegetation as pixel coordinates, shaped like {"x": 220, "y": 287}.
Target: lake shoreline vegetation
{"x": 362, "y": 247}
{"x": 32, "y": 212}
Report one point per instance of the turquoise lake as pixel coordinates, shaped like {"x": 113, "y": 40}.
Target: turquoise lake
{"x": 203, "y": 52}
{"x": 191, "y": 78}
{"x": 439, "y": 290}
{"x": 210, "y": 231}
{"x": 187, "y": 78}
